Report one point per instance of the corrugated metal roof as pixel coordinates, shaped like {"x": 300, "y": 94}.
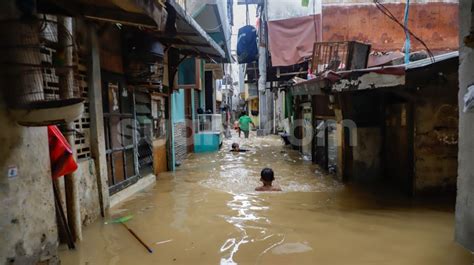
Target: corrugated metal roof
{"x": 429, "y": 61}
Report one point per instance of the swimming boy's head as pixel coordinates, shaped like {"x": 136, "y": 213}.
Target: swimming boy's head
{"x": 235, "y": 146}
{"x": 267, "y": 175}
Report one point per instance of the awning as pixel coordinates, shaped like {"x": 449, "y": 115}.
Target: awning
{"x": 211, "y": 16}
{"x": 411, "y": 74}
{"x": 189, "y": 37}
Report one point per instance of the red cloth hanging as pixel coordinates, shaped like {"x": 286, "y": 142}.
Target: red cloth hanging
{"x": 60, "y": 152}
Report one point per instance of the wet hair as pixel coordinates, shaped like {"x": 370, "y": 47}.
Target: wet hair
{"x": 267, "y": 175}
{"x": 235, "y": 146}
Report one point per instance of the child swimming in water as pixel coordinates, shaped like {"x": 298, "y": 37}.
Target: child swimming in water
{"x": 236, "y": 148}
{"x": 267, "y": 177}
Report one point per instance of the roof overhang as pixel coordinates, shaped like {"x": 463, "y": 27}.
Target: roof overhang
{"x": 377, "y": 77}
{"x": 370, "y": 79}
{"x": 212, "y": 18}
{"x": 126, "y": 12}
{"x": 189, "y": 38}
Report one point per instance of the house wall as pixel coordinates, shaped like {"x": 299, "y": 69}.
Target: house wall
{"x": 366, "y": 155}
{"x": 28, "y": 225}
{"x": 436, "y": 138}
{"x": 88, "y": 192}
{"x": 362, "y": 135}
{"x": 435, "y": 22}
{"x": 111, "y": 50}
{"x": 398, "y": 145}
{"x": 179, "y": 126}
{"x": 465, "y": 195}
{"x": 89, "y": 201}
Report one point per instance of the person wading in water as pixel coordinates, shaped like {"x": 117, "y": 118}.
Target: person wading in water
{"x": 244, "y": 122}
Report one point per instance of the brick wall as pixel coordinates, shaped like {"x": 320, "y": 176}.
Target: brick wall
{"x": 435, "y": 22}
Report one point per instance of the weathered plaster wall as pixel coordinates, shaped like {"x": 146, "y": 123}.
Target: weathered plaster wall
{"x": 435, "y": 22}
{"x": 363, "y": 135}
{"x": 398, "y": 146}
{"x": 366, "y": 164}
{"x": 28, "y": 224}
{"x": 465, "y": 196}
{"x": 88, "y": 192}
{"x": 436, "y": 138}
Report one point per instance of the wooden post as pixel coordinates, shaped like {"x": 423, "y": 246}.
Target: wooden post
{"x": 97, "y": 136}
{"x": 340, "y": 139}
{"x": 66, "y": 85}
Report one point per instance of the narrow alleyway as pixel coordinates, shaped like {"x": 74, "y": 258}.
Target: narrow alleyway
{"x": 208, "y": 213}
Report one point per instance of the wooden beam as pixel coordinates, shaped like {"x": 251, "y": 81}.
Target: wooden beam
{"x": 118, "y": 16}
{"x": 171, "y": 40}
{"x": 113, "y": 15}
{"x": 183, "y": 34}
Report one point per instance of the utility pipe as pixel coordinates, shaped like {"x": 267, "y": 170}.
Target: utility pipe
{"x": 407, "y": 34}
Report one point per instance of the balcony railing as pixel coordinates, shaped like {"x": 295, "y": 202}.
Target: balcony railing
{"x": 209, "y": 123}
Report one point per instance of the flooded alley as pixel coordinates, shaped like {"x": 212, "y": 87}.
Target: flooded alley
{"x": 207, "y": 212}
{"x": 237, "y": 132}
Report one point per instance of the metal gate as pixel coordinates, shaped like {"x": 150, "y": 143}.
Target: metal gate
{"x": 120, "y": 134}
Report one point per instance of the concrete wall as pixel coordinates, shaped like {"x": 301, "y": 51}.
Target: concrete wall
{"x": 179, "y": 126}
{"x": 465, "y": 196}
{"x": 178, "y": 106}
{"x": 436, "y": 138}
{"x": 398, "y": 145}
{"x": 28, "y": 224}
{"x": 88, "y": 191}
{"x": 366, "y": 155}
{"x": 435, "y": 22}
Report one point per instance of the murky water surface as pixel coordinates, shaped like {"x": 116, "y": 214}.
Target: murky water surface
{"x": 208, "y": 213}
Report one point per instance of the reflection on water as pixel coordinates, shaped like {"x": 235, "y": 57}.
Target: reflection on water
{"x": 207, "y": 212}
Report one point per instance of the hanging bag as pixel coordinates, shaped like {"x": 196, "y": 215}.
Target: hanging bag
{"x": 247, "y": 51}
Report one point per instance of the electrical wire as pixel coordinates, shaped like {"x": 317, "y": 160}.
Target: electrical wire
{"x": 391, "y": 16}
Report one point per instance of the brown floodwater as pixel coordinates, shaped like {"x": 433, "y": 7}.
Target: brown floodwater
{"x": 207, "y": 212}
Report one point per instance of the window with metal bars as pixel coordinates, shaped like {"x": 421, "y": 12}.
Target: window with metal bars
{"x": 51, "y": 92}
